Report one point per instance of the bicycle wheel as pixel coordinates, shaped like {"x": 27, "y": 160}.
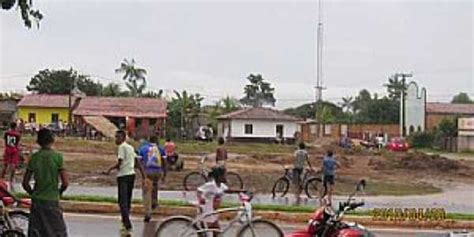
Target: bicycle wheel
{"x": 260, "y": 228}
{"x": 178, "y": 226}
{"x": 280, "y": 188}
{"x": 193, "y": 180}
{"x": 233, "y": 180}
{"x": 314, "y": 188}
{"x": 19, "y": 221}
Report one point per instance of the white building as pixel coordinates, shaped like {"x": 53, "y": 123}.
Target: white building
{"x": 257, "y": 124}
{"x": 413, "y": 110}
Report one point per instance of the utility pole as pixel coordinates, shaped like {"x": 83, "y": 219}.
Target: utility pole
{"x": 319, "y": 56}
{"x": 404, "y": 76}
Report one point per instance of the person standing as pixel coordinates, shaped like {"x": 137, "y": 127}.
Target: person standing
{"x": 126, "y": 164}
{"x": 11, "y": 154}
{"x": 153, "y": 158}
{"x": 46, "y": 167}
{"x": 301, "y": 158}
{"x": 329, "y": 174}
{"x": 221, "y": 152}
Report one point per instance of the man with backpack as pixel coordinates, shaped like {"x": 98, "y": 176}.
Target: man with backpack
{"x": 153, "y": 159}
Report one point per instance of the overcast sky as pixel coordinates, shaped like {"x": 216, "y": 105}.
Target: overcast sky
{"x": 210, "y": 47}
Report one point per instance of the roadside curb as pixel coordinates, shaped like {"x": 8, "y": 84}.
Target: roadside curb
{"x": 287, "y": 217}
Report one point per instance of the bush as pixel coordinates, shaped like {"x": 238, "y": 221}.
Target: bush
{"x": 421, "y": 140}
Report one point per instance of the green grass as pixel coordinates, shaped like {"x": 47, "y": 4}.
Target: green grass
{"x": 257, "y": 207}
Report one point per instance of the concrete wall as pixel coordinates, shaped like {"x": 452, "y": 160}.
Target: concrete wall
{"x": 261, "y": 128}
{"x": 310, "y": 131}
{"x": 43, "y": 115}
{"x": 415, "y": 106}
{"x": 433, "y": 120}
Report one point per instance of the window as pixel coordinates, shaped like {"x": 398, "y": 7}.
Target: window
{"x": 248, "y": 129}
{"x": 313, "y": 129}
{"x": 279, "y": 130}
{"x": 32, "y": 117}
{"x": 327, "y": 129}
{"x": 54, "y": 118}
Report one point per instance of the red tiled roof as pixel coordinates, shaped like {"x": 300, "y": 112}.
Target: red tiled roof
{"x": 447, "y": 108}
{"x": 121, "y": 107}
{"x": 260, "y": 114}
{"x": 45, "y": 101}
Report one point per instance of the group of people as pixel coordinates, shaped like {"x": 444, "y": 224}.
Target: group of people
{"x": 328, "y": 170}
{"x": 46, "y": 167}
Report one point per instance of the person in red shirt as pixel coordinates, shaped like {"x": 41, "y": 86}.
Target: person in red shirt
{"x": 11, "y": 154}
{"x": 170, "y": 150}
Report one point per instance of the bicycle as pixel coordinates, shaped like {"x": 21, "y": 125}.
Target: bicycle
{"x": 312, "y": 185}
{"x": 195, "y": 179}
{"x": 183, "y": 226}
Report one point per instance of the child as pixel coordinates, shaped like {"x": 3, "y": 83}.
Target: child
{"x": 221, "y": 153}
{"x": 329, "y": 173}
{"x": 46, "y": 166}
{"x": 301, "y": 157}
{"x": 210, "y": 195}
{"x": 11, "y": 154}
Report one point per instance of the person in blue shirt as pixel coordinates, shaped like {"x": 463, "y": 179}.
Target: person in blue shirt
{"x": 153, "y": 159}
{"x": 329, "y": 167}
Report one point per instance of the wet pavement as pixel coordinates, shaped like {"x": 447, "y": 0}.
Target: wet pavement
{"x": 99, "y": 226}
{"x": 457, "y": 199}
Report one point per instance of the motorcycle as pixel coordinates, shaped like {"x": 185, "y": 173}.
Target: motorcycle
{"x": 326, "y": 222}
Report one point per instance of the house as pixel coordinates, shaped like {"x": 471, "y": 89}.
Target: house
{"x": 8, "y": 110}
{"x": 45, "y": 109}
{"x": 141, "y": 117}
{"x": 257, "y": 124}
{"x": 436, "y": 112}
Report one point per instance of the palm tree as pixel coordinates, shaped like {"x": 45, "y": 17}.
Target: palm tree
{"x": 228, "y": 104}
{"x": 112, "y": 89}
{"x": 395, "y": 87}
{"x": 346, "y": 103}
{"x": 133, "y": 75}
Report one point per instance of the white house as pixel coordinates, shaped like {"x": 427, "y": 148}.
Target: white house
{"x": 257, "y": 124}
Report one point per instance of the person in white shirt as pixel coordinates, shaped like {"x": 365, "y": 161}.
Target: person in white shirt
{"x": 126, "y": 164}
{"x": 210, "y": 195}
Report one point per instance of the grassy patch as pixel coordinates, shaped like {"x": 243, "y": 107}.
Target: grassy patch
{"x": 345, "y": 186}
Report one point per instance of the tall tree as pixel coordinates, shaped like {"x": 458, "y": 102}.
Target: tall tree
{"x": 346, "y": 103}
{"x": 395, "y": 87}
{"x": 62, "y": 81}
{"x": 183, "y": 109}
{"x": 135, "y": 77}
{"x": 28, "y": 14}
{"x": 258, "y": 92}
{"x": 462, "y": 98}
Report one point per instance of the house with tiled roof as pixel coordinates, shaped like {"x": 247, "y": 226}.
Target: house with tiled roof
{"x": 141, "y": 117}
{"x": 257, "y": 124}
{"x": 436, "y": 112}
{"x": 44, "y": 108}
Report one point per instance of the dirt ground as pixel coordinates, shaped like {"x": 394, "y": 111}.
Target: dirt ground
{"x": 387, "y": 173}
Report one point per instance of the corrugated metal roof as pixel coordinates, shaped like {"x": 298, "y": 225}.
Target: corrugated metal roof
{"x": 45, "y": 101}
{"x": 121, "y": 107}
{"x": 260, "y": 114}
{"x": 447, "y": 108}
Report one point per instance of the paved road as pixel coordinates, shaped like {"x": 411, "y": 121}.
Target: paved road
{"x": 456, "y": 199}
{"x": 99, "y": 226}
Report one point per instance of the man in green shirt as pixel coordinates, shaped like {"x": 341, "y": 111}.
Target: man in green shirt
{"x": 47, "y": 168}
{"x": 126, "y": 164}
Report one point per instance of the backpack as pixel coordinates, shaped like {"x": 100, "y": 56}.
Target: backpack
{"x": 154, "y": 158}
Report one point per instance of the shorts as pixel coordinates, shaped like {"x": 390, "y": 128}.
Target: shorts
{"x": 328, "y": 179}
{"x": 297, "y": 172}
{"x": 11, "y": 158}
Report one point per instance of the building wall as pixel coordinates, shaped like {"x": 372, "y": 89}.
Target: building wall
{"x": 433, "y": 120}
{"x": 43, "y": 115}
{"x": 466, "y": 134}
{"x": 415, "y": 105}
{"x": 262, "y": 128}
{"x": 311, "y": 131}
{"x": 358, "y": 130}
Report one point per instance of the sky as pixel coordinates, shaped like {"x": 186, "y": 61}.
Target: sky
{"x": 210, "y": 47}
